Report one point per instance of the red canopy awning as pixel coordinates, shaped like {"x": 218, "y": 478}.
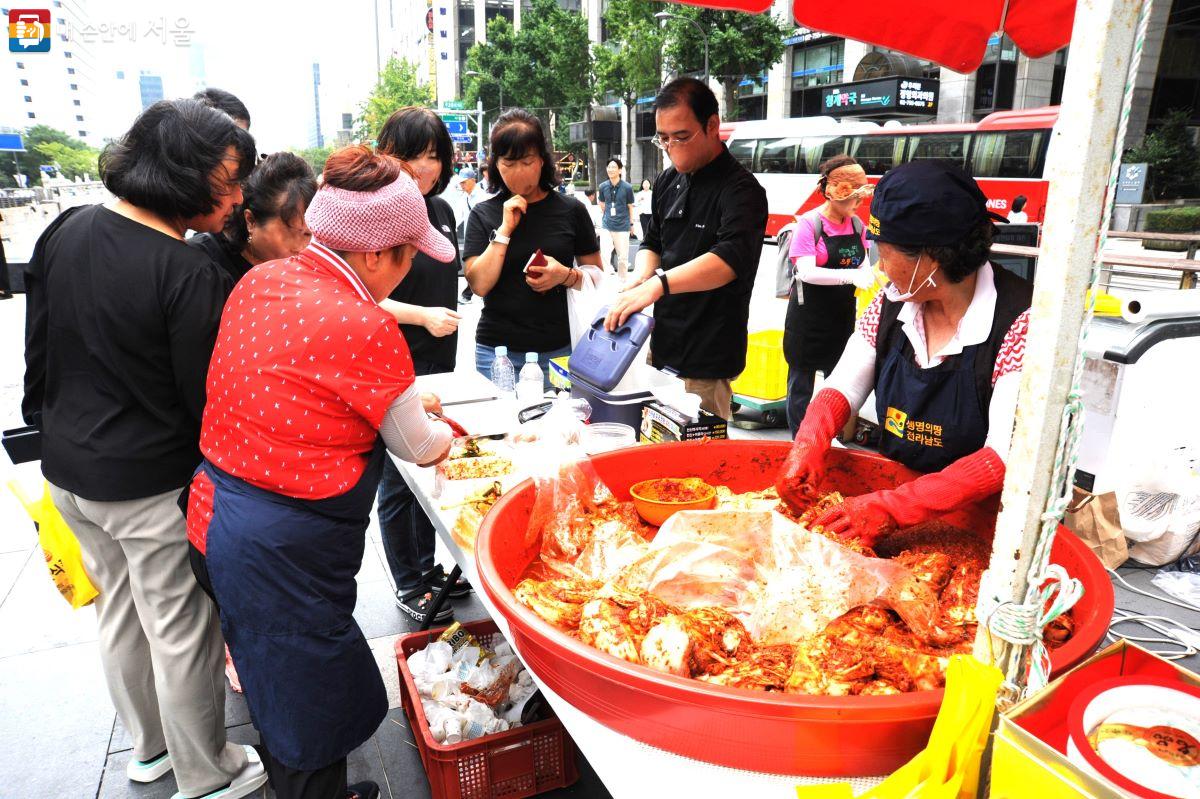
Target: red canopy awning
{"x": 953, "y": 33}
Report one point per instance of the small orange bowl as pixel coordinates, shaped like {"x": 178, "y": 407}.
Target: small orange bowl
{"x": 661, "y": 498}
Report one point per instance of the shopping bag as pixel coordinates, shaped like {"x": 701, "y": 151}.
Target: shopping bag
{"x": 1095, "y": 519}
{"x": 948, "y": 767}
{"x": 584, "y": 302}
{"x": 59, "y": 547}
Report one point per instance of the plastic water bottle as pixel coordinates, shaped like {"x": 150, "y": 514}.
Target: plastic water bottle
{"x": 530, "y": 389}
{"x": 503, "y": 374}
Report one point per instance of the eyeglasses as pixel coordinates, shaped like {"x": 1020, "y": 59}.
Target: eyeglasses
{"x": 665, "y": 143}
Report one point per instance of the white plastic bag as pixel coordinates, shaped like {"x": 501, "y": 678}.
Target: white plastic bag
{"x": 1184, "y": 586}
{"x": 1159, "y": 506}
{"x": 584, "y": 302}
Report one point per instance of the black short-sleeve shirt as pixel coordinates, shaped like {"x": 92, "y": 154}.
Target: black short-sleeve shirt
{"x": 514, "y": 314}
{"x": 432, "y": 284}
{"x": 721, "y": 209}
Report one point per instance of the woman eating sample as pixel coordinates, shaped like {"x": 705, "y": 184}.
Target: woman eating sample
{"x": 309, "y": 382}
{"x": 526, "y": 309}
{"x": 942, "y": 348}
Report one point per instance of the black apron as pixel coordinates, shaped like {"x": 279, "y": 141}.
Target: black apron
{"x": 815, "y": 333}
{"x": 932, "y": 417}
{"x": 282, "y": 570}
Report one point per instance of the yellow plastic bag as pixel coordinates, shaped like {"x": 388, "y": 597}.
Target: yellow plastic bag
{"x": 948, "y": 767}
{"x": 864, "y": 297}
{"x": 60, "y": 548}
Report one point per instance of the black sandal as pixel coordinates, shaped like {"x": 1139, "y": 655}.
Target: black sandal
{"x": 417, "y": 604}
{"x": 437, "y": 577}
{"x": 363, "y": 790}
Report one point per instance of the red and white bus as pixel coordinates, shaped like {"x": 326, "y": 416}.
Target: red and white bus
{"x": 1005, "y": 152}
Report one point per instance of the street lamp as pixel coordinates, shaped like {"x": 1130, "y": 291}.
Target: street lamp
{"x": 665, "y": 15}
{"x": 470, "y": 73}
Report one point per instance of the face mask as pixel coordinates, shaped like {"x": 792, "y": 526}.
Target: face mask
{"x": 892, "y": 293}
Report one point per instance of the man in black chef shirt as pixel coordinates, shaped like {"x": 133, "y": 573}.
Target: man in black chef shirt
{"x": 697, "y": 262}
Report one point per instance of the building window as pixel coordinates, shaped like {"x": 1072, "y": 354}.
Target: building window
{"x": 24, "y": 82}
{"x": 1060, "y": 76}
{"x": 32, "y": 115}
{"x": 79, "y": 117}
{"x": 996, "y": 78}
{"x": 82, "y": 134}
{"x": 814, "y": 65}
{"x": 20, "y": 65}
{"x": 28, "y": 99}
{"x": 120, "y": 74}
{"x": 74, "y": 87}
{"x": 76, "y": 102}
{"x": 70, "y": 70}
{"x": 67, "y": 54}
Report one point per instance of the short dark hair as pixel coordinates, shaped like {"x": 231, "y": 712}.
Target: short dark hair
{"x": 164, "y": 162}
{"x": 830, "y": 164}
{"x": 412, "y": 130}
{"x": 224, "y": 101}
{"x": 614, "y": 160}
{"x": 589, "y": 192}
{"x": 962, "y": 259}
{"x": 515, "y": 133}
{"x": 1019, "y": 203}
{"x": 693, "y": 93}
{"x": 281, "y": 186}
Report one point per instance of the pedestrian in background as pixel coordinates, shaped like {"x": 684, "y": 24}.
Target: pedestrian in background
{"x": 122, "y": 316}
{"x": 645, "y": 196}
{"x": 616, "y": 218}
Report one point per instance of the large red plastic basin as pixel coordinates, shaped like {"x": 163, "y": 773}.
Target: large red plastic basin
{"x": 757, "y": 731}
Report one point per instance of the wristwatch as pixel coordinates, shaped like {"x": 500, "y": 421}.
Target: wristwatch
{"x": 499, "y": 237}
{"x": 662, "y": 278}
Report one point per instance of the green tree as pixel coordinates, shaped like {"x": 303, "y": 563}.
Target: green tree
{"x": 629, "y": 65}
{"x": 1173, "y": 157}
{"x": 546, "y": 67}
{"x": 739, "y": 45}
{"x": 316, "y": 157}
{"x": 397, "y": 87}
{"x": 30, "y": 162}
{"x": 72, "y": 162}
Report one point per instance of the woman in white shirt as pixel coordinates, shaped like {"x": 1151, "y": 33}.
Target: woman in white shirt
{"x": 942, "y": 349}
{"x": 641, "y": 204}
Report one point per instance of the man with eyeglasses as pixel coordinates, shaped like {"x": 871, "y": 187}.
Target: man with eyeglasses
{"x": 700, "y": 252}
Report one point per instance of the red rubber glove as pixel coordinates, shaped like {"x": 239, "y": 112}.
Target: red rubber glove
{"x": 804, "y": 468}
{"x": 873, "y": 516}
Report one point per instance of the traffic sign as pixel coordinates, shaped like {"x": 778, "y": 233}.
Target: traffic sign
{"x": 457, "y": 127}
{"x": 452, "y": 117}
{"x": 462, "y": 138}
{"x": 457, "y": 105}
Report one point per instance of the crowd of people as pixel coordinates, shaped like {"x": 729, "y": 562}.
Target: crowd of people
{"x": 217, "y": 410}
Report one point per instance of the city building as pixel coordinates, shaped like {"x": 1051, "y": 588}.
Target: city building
{"x": 151, "y": 88}
{"x": 315, "y": 137}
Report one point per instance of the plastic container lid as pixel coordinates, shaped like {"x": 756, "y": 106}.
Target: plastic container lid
{"x": 531, "y": 357}
{"x": 607, "y": 436}
{"x": 501, "y": 351}
{"x": 601, "y": 358}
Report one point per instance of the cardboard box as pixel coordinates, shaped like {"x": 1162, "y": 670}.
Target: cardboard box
{"x": 1028, "y": 756}
{"x": 663, "y": 423}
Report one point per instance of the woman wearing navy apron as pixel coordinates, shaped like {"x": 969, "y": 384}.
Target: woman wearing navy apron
{"x": 309, "y": 382}
{"x": 942, "y": 349}
{"x": 829, "y": 259}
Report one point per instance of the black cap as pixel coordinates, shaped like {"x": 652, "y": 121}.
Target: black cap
{"x": 926, "y": 203}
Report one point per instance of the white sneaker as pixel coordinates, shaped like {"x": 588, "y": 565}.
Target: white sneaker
{"x": 149, "y": 770}
{"x": 252, "y": 777}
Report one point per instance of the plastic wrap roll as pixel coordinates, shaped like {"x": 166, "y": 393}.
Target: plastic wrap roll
{"x": 1151, "y": 305}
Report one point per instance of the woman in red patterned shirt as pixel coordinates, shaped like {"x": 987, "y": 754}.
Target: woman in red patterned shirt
{"x": 941, "y": 348}
{"x": 310, "y": 381}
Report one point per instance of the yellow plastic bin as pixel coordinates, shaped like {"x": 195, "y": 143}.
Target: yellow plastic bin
{"x": 766, "y": 371}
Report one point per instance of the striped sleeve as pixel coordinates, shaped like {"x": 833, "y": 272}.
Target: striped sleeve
{"x": 868, "y": 323}
{"x": 1011, "y": 357}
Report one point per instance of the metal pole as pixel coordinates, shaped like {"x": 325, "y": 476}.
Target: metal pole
{"x": 1078, "y": 171}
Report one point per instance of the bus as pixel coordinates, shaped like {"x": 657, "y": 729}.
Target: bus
{"x": 1005, "y": 152}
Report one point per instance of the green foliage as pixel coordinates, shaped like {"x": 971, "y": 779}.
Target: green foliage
{"x": 47, "y": 145}
{"x": 397, "y": 87}
{"x": 1185, "y": 219}
{"x": 739, "y": 45}
{"x": 1173, "y": 157}
{"x": 316, "y": 157}
{"x": 544, "y": 67}
{"x": 630, "y": 65}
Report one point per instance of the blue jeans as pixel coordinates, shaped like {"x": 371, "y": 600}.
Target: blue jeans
{"x": 408, "y": 534}
{"x": 484, "y": 355}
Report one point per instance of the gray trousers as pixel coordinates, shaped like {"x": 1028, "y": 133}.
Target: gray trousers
{"x": 160, "y": 636}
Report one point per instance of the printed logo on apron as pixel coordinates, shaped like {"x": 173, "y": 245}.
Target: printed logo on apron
{"x": 925, "y": 434}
